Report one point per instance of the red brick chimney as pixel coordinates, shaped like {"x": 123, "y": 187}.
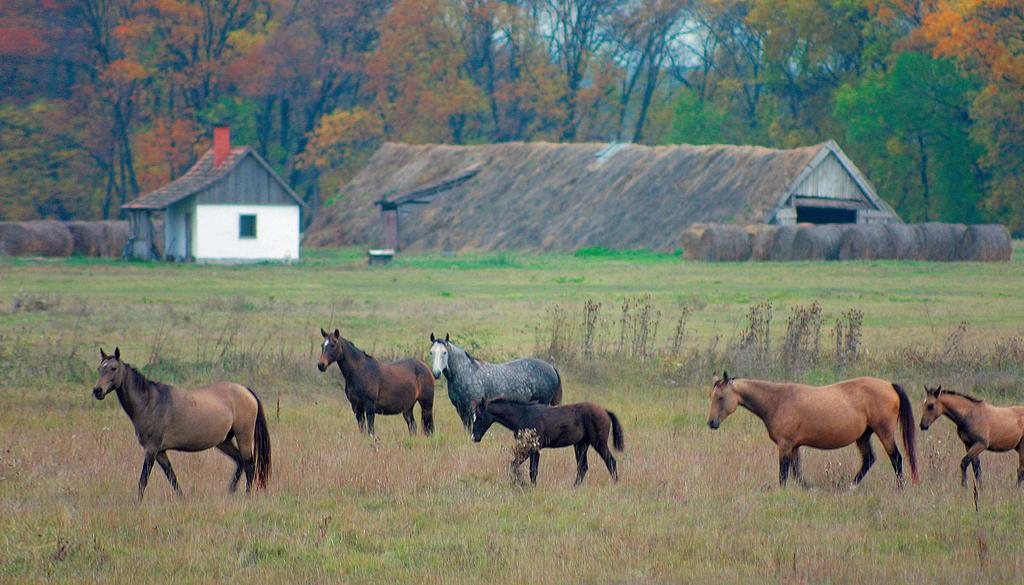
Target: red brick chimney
{"x": 221, "y": 144}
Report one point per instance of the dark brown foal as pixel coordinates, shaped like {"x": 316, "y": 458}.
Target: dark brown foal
{"x": 581, "y": 425}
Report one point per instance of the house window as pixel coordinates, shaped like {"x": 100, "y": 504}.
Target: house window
{"x": 246, "y": 227}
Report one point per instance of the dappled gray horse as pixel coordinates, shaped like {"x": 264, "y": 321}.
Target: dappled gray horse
{"x": 470, "y": 379}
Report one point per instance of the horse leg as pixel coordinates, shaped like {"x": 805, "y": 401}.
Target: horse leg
{"x": 867, "y": 456}
{"x": 534, "y": 463}
{"x": 229, "y": 449}
{"x": 360, "y": 416}
{"x": 795, "y": 467}
{"x": 165, "y": 464}
{"x": 581, "y": 461}
{"x": 410, "y": 420}
{"x": 609, "y": 460}
{"x": 427, "y": 415}
{"x": 517, "y": 461}
{"x": 465, "y": 410}
{"x": 888, "y": 439}
{"x": 785, "y": 462}
{"x": 147, "y": 466}
{"x": 371, "y": 411}
{"x": 250, "y": 471}
{"x": 1020, "y": 463}
{"x": 972, "y": 458}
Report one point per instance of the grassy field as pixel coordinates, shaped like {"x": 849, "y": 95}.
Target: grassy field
{"x": 692, "y": 504}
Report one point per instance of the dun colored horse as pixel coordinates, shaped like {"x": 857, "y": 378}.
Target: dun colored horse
{"x": 225, "y": 415}
{"x": 981, "y": 427}
{"x": 825, "y": 417}
{"x": 581, "y": 425}
{"x": 376, "y": 388}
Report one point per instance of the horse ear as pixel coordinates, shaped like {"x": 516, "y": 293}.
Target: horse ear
{"x": 432, "y": 340}
{"x": 117, "y": 353}
{"x": 446, "y": 337}
{"x": 103, "y": 354}
{"x": 322, "y": 332}
{"x": 938, "y": 390}
{"x": 337, "y": 333}
{"x": 725, "y": 376}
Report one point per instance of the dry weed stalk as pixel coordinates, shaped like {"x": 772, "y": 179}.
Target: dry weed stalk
{"x": 526, "y": 443}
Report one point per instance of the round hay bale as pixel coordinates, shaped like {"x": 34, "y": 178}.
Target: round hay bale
{"x": 781, "y": 248}
{"x": 762, "y": 237}
{"x": 88, "y": 237}
{"x": 939, "y": 241}
{"x": 14, "y": 238}
{"x": 905, "y": 241}
{"x": 865, "y": 242}
{"x": 986, "y": 243}
{"x": 690, "y": 240}
{"x": 36, "y": 238}
{"x": 818, "y": 242}
{"x": 117, "y": 233}
{"x": 725, "y": 243}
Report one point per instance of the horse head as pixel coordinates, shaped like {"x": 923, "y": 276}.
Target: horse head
{"x": 932, "y": 408}
{"x": 111, "y": 372}
{"x": 482, "y": 419}
{"x": 330, "y": 349}
{"x": 724, "y": 400}
{"x": 438, "y": 355}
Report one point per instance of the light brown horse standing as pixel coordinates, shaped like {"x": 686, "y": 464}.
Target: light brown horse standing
{"x": 225, "y": 415}
{"x": 825, "y": 417}
{"x": 980, "y": 425}
{"x": 373, "y": 387}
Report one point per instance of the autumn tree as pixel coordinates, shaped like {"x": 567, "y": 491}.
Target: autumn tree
{"x": 910, "y": 127}
{"x": 985, "y": 37}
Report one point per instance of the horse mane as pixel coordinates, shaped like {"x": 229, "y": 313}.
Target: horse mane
{"x": 139, "y": 380}
{"x": 472, "y": 360}
{"x": 353, "y": 347}
{"x": 960, "y": 394}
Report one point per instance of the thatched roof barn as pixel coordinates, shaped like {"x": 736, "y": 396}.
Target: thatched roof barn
{"x": 568, "y": 196}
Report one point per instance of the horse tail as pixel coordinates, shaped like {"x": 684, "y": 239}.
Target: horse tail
{"x": 617, "y": 441}
{"x": 261, "y": 445}
{"x": 556, "y": 398}
{"x": 907, "y": 427}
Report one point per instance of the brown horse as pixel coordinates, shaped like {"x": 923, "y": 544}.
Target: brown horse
{"x": 825, "y": 417}
{"x": 581, "y": 425}
{"x": 225, "y": 415}
{"x": 980, "y": 425}
{"x": 376, "y": 388}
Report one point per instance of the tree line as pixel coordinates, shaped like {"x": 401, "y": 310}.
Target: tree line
{"x": 106, "y": 99}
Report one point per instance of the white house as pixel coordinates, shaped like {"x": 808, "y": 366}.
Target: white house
{"x": 230, "y": 207}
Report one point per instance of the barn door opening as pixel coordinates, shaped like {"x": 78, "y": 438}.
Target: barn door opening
{"x": 809, "y": 214}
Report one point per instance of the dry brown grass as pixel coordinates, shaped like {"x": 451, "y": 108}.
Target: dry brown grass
{"x": 692, "y": 504}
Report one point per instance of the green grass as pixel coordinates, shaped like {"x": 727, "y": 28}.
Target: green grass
{"x": 693, "y": 505}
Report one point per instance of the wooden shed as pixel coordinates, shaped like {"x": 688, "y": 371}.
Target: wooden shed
{"x": 230, "y": 206}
